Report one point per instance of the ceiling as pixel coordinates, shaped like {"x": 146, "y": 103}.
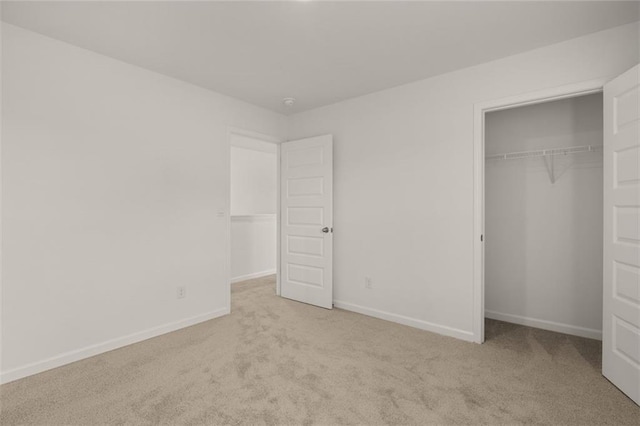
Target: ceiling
{"x": 318, "y": 52}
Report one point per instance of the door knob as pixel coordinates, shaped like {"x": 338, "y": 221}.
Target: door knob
{"x": 325, "y": 230}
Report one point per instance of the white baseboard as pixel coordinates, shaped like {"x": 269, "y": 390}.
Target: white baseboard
{"x": 89, "y": 351}
{"x": 411, "y": 322}
{"x": 254, "y": 275}
{"x": 546, "y": 325}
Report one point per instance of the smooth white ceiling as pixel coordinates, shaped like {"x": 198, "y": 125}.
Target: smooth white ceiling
{"x": 318, "y": 52}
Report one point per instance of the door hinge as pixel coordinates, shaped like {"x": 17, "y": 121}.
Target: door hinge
{"x": 481, "y": 237}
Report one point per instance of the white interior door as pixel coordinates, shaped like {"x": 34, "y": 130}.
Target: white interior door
{"x": 306, "y": 196}
{"x": 621, "y": 316}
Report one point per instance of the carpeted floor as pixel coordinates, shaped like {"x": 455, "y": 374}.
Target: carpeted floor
{"x": 274, "y": 361}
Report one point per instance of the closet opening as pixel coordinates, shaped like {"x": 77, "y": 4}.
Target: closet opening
{"x": 543, "y": 216}
{"x": 253, "y": 212}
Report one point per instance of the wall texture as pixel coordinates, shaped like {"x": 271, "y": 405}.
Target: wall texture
{"x": 404, "y": 178}
{"x": 543, "y": 250}
{"x": 253, "y": 210}
{"x": 113, "y": 177}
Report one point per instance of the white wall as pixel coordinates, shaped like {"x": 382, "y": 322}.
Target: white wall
{"x": 404, "y": 178}
{"x": 543, "y": 240}
{"x": 112, "y": 180}
{"x": 253, "y": 246}
{"x": 253, "y": 180}
{"x": 253, "y": 208}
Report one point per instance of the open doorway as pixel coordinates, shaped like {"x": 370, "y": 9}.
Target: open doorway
{"x": 253, "y": 211}
{"x": 544, "y": 217}
{"x": 281, "y": 218}
{"x": 481, "y": 111}
{"x": 620, "y": 220}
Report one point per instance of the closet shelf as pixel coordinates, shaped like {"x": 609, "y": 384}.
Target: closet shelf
{"x": 544, "y": 152}
{"x": 547, "y": 155}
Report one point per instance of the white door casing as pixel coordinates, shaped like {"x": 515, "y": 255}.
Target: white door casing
{"x": 621, "y": 297}
{"x": 480, "y": 109}
{"x": 306, "y": 214}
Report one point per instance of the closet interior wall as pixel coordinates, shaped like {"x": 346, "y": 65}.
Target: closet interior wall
{"x": 543, "y": 217}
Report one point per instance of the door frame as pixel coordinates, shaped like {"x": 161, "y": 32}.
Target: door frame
{"x": 479, "y": 111}
{"x": 231, "y": 130}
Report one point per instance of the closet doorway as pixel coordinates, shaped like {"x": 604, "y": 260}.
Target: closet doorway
{"x": 543, "y": 215}
{"x": 571, "y": 170}
{"x": 254, "y": 206}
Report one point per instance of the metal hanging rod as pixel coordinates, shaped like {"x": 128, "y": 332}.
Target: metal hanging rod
{"x": 544, "y": 152}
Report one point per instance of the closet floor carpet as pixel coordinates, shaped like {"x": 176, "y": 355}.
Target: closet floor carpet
{"x": 275, "y": 361}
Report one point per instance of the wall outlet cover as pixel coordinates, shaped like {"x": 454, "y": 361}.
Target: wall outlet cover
{"x": 181, "y": 292}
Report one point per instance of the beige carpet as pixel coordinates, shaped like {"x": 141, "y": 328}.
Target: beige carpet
{"x": 274, "y": 361}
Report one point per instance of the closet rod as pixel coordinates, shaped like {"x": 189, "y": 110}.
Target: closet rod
{"x": 544, "y": 152}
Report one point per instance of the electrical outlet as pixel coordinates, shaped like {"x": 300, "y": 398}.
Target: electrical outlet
{"x": 368, "y": 283}
{"x": 181, "y": 292}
